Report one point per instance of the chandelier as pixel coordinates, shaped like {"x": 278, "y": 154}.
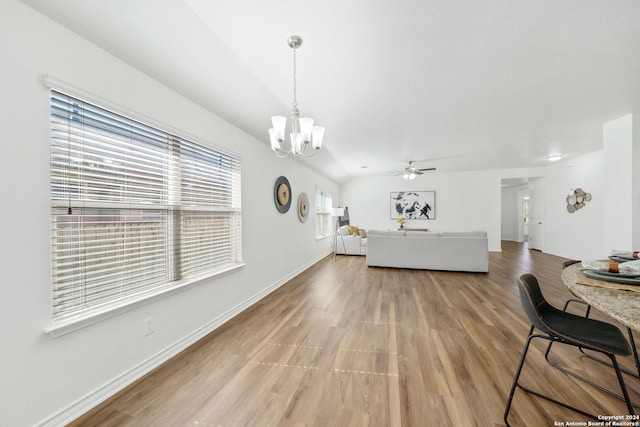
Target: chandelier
{"x": 303, "y": 133}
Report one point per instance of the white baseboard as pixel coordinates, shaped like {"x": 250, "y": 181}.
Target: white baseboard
{"x": 102, "y": 393}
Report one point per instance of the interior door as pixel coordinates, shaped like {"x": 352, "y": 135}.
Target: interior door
{"x": 536, "y": 229}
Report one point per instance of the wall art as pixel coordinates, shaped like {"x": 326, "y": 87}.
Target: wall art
{"x": 577, "y": 199}
{"x": 282, "y": 194}
{"x": 303, "y": 207}
{"x": 413, "y": 205}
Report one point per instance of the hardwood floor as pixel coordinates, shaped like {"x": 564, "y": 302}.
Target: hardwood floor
{"x": 347, "y": 345}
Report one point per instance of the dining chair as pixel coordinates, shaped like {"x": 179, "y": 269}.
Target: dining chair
{"x": 634, "y": 349}
{"x": 558, "y": 326}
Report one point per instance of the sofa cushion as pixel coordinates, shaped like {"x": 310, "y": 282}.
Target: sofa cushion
{"x": 353, "y": 230}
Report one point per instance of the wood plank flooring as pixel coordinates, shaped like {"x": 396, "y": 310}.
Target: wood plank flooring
{"x": 347, "y": 345}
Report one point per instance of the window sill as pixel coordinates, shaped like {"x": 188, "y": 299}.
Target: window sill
{"x": 65, "y": 326}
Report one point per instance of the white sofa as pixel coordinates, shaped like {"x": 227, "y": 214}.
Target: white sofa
{"x": 347, "y": 244}
{"x": 452, "y": 251}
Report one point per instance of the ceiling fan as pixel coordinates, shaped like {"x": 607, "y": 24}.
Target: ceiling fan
{"x": 410, "y": 172}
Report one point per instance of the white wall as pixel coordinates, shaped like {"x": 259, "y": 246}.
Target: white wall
{"x": 463, "y": 201}
{"x": 609, "y": 221}
{"x": 588, "y": 233}
{"x": 618, "y": 162}
{"x": 635, "y": 194}
{"x": 509, "y": 213}
{"x": 47, "y": 380}
{"x": 578, "y": 235}
{"x": 475, "y": 201}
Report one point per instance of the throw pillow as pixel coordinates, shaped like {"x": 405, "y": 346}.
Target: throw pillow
{"x": 353, "y": 230}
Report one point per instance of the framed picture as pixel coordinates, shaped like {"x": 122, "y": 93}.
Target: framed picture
{"x": 413, "y": 204}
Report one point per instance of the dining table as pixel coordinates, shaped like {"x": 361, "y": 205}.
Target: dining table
{"x": 620, "y": 301}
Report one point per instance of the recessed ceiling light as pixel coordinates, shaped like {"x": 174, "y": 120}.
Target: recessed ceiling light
{"x": 364, "y": 167}
{"x": 554, "y": 157}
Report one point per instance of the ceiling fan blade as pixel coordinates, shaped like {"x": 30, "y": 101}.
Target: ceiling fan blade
{"x": 427, "y": 169}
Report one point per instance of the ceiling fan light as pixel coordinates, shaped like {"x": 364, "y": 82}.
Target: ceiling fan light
{"x": 412, "y": 175}
{"x": 317, "y": 135}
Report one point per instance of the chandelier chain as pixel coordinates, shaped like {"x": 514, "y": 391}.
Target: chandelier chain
{"x": 295, "y": 97}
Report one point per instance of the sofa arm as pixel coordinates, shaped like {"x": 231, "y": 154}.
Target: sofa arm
{"x": 349, "y": 245}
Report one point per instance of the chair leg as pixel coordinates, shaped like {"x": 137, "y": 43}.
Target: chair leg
{"x": 516, "y": 383}
{"x": 517, "y": 375}
{"x": 623, "y": 387}
{"x": 632, "y": 343}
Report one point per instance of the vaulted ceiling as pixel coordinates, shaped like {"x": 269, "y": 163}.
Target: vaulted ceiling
{"x": 452, "y": 84}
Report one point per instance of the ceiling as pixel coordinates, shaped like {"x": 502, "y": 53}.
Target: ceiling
{"x": 452, "y": 84}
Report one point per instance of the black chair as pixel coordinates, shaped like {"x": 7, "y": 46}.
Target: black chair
{"x": 558, "y": 326}
{"x": 636, "y": 359}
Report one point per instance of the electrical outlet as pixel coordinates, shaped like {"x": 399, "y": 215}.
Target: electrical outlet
{"x": 148, "y": 326}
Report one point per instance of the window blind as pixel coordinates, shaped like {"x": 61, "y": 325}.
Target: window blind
{"x": 135, "y": 210}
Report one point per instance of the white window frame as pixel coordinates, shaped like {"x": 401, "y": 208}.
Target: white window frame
{"x": 200, "y": 230}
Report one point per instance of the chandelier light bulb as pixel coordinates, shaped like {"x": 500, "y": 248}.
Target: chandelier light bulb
{"x": 317, "y": 136}
{"x": 306, "y": 127}
{"x": 279, "y": 124}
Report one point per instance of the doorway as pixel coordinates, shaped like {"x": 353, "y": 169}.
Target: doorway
{"x": 523, "y": 211}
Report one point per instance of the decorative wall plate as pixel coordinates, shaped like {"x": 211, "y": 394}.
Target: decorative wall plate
{"x": 303, "y": 207}
{"x": 282, "y": 194}
{"x": 577, "y": 200}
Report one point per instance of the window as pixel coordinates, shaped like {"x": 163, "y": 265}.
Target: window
{"x": 135, "y": 211}
{"x": 324, "y": 203}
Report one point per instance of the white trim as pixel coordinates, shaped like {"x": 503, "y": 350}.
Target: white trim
{"x": 102, "y": 393}
{"x": 65, "y": 326}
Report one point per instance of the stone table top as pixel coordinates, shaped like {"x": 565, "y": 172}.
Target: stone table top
{"x": 618, "y": 301}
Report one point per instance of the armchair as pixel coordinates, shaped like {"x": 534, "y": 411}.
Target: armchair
{"x": 350, "y": 244}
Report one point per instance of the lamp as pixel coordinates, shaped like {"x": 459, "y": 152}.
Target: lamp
{"x": 303, "y": 132}
{"x": 337, "y": 212}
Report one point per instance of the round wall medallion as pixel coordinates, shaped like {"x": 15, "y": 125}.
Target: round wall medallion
{"x": 282, "y": 194}
{"x": 303, "y": 207}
